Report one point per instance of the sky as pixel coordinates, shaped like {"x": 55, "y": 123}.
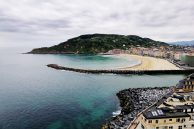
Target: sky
{"x": 39, "y": 23}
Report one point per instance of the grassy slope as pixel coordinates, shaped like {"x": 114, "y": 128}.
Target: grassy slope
{"x": 97, "y": 43}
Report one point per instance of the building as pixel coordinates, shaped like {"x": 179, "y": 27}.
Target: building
{"x": 177, "y": 55}
{"x": 188, "y": 59}
{"x": 186, "y": 85}
{"x": 175, "y": 111}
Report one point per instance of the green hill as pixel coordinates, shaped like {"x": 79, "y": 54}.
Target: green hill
{"x": 97, "y": 43}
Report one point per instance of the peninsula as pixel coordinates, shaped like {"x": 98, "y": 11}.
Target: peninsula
{"x": 98, "y": 43}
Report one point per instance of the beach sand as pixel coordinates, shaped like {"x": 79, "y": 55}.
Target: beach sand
{"x": 149, "y": 63}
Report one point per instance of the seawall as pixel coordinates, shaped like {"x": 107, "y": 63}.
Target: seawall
{"x": 117, "y": 71}
{"x": 133, "y": 101}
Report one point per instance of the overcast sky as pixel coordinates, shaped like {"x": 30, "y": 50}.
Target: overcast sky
{"x": 38, "y": 23}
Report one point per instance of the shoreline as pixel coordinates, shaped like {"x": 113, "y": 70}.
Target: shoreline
{"x": 132, "y": 102}
{"x": 141, "y": 63}
{"x": 149, "y": 63}
{"x": 144, "y": 63}
{"x": 125, "y": 57}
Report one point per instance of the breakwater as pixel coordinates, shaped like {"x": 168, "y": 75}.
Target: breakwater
{"x": 133, "y": 101}
{"x": 118, "y": 71}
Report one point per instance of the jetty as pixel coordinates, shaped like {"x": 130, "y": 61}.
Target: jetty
{"x": 120, "y": 71}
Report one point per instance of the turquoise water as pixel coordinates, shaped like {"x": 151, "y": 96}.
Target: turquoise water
{"x": 33, "y": 96}
{"x": 94, "y": 62}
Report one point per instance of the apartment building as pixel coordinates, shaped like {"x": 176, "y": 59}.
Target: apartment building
{"x": 175, "y": 111}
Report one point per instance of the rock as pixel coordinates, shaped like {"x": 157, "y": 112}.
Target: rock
{"x": 133, "y": 101}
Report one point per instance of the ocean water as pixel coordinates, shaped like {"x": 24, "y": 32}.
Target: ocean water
{"x": 94, "y": 62}
{"x": 33, "y": 96}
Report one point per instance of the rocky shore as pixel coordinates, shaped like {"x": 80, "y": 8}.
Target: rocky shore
{"x": 132, "y": 102}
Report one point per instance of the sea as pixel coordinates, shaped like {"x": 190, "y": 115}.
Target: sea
{"x": 33, "y": 96}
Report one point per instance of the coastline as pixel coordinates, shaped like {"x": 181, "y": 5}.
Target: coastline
{"x": 144, "y": 65}
{"x": 149, "y": 63}
{"x": 132, "y": 102}
{"x": 127, "y": 57}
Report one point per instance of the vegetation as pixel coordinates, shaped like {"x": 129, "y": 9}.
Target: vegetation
{"x": 98, "y": 43}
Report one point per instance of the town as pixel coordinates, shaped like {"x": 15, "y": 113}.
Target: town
{"x": 173, "y": 111}
{"x": 181, "y": 56}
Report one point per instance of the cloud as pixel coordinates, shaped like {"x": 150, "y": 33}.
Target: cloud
{"x": 58, "y": 20}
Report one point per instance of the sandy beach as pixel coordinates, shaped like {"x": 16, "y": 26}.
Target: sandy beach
{"x": 149, "y": 63}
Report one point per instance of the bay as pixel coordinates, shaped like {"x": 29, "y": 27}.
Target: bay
{"x": 33, "y": 96}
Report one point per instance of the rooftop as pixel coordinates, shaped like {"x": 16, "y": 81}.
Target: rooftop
{"x": 158, "y": 114}
{"x": 175, "y": 105}
{"x": 182, "y": 82}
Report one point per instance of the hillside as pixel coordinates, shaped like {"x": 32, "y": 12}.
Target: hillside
{"x": 97, "y": 43}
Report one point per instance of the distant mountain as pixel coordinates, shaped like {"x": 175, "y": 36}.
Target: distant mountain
{"x": 97, "y": 43}
{"x": 183, "y": 43}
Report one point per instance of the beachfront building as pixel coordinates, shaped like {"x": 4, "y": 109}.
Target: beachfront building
{"x": 188, "y": 59}
{"x": 116, "y": 51}
{"x": 162, "y": 52}
{"x": 186, "y": 85}
{"x": 175, "y": 111}
{"x": 159, "y": 54}
{"x": 177, "y": 55}
{"x": 152, "y": 52}
{"x": 137, "y": 51}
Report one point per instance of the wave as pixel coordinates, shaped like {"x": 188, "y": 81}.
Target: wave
{"x": 116, "y": 113}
